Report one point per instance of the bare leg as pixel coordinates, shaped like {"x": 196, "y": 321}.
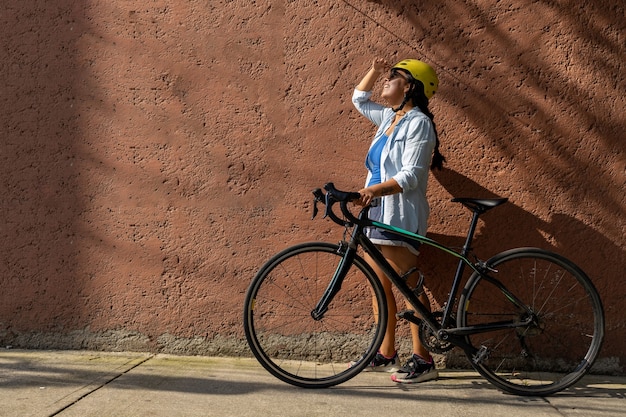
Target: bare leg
{"x": 402, "y": 260}
{"x": 388, "y": 346}
{"x": 418, "y": 347}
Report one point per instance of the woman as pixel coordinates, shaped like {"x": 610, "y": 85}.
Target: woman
{"x": 404, "y": 147}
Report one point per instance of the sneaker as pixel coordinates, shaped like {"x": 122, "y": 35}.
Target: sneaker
{"x": 381, "y": 363}
{"x": 416, "y": 370}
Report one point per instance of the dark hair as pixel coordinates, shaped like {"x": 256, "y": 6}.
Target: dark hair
{"x": 417, "y": 96}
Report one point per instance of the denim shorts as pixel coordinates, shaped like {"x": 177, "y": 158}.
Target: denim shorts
{"x": 383, "y": 237}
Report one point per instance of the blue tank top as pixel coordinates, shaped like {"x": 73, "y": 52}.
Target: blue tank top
{"x": 373, "y": 160}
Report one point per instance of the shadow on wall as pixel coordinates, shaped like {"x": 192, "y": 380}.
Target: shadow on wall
{"x": 529, "y": 83}
{"x": 38, "y": 174}
{"x": 46, "y": 258}
{"x": 510, "y": 226}
{"x": 540, "y": 95}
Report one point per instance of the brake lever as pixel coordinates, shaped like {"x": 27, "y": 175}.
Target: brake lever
{"x": 317, "y": 193}
{"x": 327, "y": 197}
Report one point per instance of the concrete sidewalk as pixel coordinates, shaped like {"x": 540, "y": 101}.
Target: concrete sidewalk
{"x": 79, "y": 383}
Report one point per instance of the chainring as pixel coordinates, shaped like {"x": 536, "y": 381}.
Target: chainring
{"x": 430, "y": 340}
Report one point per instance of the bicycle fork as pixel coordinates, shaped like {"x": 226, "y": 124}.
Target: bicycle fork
{"x": 334, "y": 286}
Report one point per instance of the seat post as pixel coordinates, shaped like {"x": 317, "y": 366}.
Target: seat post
{"x": 461, "y": 266}
{"x": 470, "y": 233}
{"x": 477, "y": 207}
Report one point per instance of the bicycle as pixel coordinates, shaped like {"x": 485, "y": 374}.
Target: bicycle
{"x": 529, "y": 320}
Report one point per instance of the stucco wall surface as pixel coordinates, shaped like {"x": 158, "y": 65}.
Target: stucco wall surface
{"x": 155, "y": 153}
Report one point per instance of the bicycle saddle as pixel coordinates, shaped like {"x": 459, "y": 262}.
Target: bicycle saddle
{"x": 480, "y": 205}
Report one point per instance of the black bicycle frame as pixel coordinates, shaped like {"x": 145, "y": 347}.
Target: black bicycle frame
{"x": 454, "y": 335}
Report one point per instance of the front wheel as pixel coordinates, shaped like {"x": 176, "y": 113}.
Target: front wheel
{"x": 294, "y": 346}
{"x": 562, "y": 312}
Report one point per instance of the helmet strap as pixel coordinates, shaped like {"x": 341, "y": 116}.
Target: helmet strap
{"x": 407, "y": 95}
{"x": 397, "y": 109}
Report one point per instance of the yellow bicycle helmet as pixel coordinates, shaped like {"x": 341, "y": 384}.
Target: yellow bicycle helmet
{"x": 421, "y": 71}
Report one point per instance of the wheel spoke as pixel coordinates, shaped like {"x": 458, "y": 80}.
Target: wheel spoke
{"x": 566, "y": 329}
{"x": 284, "y": 336}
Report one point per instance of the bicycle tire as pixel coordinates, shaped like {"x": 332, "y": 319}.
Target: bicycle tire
{"x": 561, "y": 344}
{"x": 285, "y": 338}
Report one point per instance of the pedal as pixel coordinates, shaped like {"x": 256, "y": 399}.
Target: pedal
{"x": 481, "y": 354}
{"x": 408, "y": 315}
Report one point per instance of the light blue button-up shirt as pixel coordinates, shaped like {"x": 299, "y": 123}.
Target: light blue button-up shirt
{"x": 406, "y": 158}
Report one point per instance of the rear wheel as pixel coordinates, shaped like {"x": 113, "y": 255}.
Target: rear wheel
{"x": 289, "y": 342}
{"x": 564, "y": 316}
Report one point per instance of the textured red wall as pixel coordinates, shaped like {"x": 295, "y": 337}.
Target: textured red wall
{"x": 155, "y": 153}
